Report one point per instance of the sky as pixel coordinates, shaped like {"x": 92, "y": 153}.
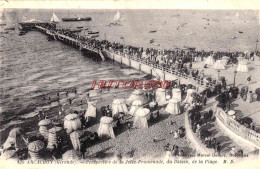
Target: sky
{"x": 132, "y": 4}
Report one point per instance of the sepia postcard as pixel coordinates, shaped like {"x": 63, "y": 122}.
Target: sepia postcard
{"x": 129, "y": 83}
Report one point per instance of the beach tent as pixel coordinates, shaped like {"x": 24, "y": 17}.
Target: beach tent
{"x": 140, "y": 119}
{"x": 189, "y": 97}
{"x": 12, "y": 138}
{"x": 34, "y": 148}
{"x": 173, "y": 106}
{"x": 135, "y": 106}
{"x": 119, "y": 106}
{"x": 225, "y": 60}
{"x": 74, "y": 138}
{"x": 137, "y": 95}
{"x": 160, "y": 96}
{"x": 43, "y": 128}
{"x": 52, "y": 138}
{"x": 72, "y": 123}
{"x": 242, "y": 66}
{"x": 176, "y": 93}
{"x": 219, "y": 65}
{"x": 105, "y": 127}
{"x": 209, "y": 60}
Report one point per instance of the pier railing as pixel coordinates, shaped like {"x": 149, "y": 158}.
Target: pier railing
{"x": 202, "y": 82}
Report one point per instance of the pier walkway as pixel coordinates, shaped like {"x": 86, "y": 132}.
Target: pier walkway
{"x": 132, "y": 61}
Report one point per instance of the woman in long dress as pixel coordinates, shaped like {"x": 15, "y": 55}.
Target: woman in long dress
{"x": 92, "y": 111}
{"x": 189, "y": 97}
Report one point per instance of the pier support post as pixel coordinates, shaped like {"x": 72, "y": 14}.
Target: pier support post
{"x": 129, "y": 62}
{"x": 121, "y": 61}
{"x": 140, "y": 66}
{"x": 151, "y": 72}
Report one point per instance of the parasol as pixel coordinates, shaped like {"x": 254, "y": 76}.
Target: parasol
{"x": 137, "y": 103}
{"x": 71, "y": 117}
{"x": 142, "y": 112}
{"x": 231, "y": 112}
{"x": 72, "y": 122}
{"x": 118, "y": 106}
{"x": 44, "y": 122}
{"x": 36, "y": 146}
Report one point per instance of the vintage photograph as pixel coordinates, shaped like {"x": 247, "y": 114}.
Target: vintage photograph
{"x": 129, "y": 86}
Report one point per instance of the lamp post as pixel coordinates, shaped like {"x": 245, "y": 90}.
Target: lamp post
{"x": 256, "y": 45}
{"x": 235, "y": 73}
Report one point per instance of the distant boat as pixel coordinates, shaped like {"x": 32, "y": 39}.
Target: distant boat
{"x": 116, "y": 20}
{"x": 9, "y": 28}
{"x": 79, "y": 27}
{"x": 76, "y": 19}
{"x": 190, "y": 48}
{"x": 4, "y": 32}
{"x": 153, "y": 31}
{"x": 240, "y": 32}
{"x": 75, "y": 30}
{"x": 2, "y": 24}
{"x": 54, "y": 18}
{"x": 233, "y": 37}
{"x": 152, "y": 41}
{"x": 94, "y": 36}
{"x": 155, "y": 44}
{"x": 90, "y": 32}
{"x": 117, "y": 17}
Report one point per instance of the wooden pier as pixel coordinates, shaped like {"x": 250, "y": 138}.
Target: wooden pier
{"x": 132, "y": 61}
{"x": 71, "y": 41}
